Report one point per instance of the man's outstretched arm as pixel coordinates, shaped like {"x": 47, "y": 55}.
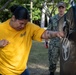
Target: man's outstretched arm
{"x": 51, "y": 34}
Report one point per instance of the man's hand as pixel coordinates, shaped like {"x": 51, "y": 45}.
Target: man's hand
{"x": 46, "y": 44}
{"x": 3, "y": 43}
{"x": 60, "y": 34}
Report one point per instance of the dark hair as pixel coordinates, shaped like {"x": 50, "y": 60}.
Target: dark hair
{"x": 19, "y": 12}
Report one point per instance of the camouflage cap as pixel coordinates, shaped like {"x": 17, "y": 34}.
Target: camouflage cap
{"x": 61, "y": 4}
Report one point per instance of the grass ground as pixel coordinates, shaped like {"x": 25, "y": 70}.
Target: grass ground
{"x": 38, "y": 60}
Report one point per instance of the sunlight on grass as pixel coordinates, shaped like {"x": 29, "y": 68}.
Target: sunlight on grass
{"x": 33, "y": 65}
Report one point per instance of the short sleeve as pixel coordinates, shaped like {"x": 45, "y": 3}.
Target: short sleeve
{"x": 37, "y": 33}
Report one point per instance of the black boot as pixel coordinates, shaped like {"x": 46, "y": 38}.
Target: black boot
{"x": 52, "y": 69}
{"x": 51, "y": 73}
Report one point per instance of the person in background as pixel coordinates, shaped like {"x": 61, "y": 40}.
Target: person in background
{"x": 16, "y": 35}
{"x": 54, "y": 44}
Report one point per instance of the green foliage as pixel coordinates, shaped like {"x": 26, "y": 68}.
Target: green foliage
{"x": 36, "y": 13}
{"x": 5, "y": 14}
{"x": 37, "y": 6}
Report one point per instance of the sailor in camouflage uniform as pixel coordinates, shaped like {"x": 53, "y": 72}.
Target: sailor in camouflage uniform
{"x": 54, "y": 44}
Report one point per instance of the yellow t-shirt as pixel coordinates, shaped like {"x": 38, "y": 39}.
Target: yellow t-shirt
{"x": 14, "y": 56}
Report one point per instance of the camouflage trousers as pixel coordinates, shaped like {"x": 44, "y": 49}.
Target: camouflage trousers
{"x": 53, "y": 54}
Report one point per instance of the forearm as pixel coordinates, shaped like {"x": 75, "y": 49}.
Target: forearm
{"x": 51, "y": 34}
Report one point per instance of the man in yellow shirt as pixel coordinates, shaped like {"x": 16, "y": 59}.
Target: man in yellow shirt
{"x": 16, "y": 35}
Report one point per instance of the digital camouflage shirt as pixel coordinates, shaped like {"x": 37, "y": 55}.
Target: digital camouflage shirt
{"x": 53, "y": 25}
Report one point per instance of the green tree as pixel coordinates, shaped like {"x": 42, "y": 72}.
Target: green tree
{"x": 37, "y": 6}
